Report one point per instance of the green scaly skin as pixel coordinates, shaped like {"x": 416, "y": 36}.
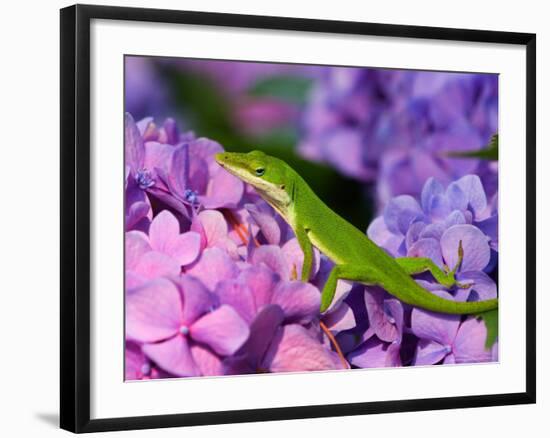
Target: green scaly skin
{"x": 356, "y": 257}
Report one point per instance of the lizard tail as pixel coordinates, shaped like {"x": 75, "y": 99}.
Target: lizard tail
{"x": 419, "y": 297}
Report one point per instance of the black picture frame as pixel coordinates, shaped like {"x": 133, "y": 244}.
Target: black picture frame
{"x": 75, "y": 216}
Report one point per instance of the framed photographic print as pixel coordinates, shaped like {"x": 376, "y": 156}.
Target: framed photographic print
{"x": 290, "y": 218}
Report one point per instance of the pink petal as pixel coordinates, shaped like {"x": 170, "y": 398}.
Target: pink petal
{"x": 299, "y": 301}
{"x": 223, "y": 330}
{"x": 185, "y": 248}
{"x": 153, "y": 311}
{"x": 214, "y": 226}
{"x": 173, "y": 356}
{"x": 163, "y": 230}
{"x": 207, "y": 361}
{"x": 237, "y": 294}
{"x": 294, "y": 349}
{"x": 135, "y": 362}
{"x": 137, "y": 244}
{"x": 213, "y": 266}
{"x": 155, "y": 264}
{"x": 295, "y": 258}
{"x": 272, "y": 256}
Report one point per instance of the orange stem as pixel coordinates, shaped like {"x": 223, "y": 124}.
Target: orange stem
{"x": 239, "y": 228}
{"x": 334, "y": 343}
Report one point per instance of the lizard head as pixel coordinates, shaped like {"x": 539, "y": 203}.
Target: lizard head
{"x": 270, "y": 176}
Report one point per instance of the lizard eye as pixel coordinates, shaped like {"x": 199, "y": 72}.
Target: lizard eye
{"x": 260, "y": 171}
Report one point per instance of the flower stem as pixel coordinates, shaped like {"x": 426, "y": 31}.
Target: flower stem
{"x": 334, "y": 343}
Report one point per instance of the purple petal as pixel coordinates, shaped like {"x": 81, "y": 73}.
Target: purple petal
{"x": 430, "y": 352}
{"x": 429, "y": 248}
{"x": 469, "y": 345}
{"x": 413, "y": 234}
{"x": 434, "y": 231}
{"x": 299, "y": 301}
{"x": 197, "y": 300}
{"x": 155, "y": 264}
{"x": 455, "y": 218}
{"x": 213, "y": 266}
{"x": 171, "y": 131}
{"x": 180, "y": 169}
{"x": 205, "y": 149}
{"x": 343, "y": 287}
{"x": 489, "y": 226}
{"x": 133, "y": 144}
{"x": 272, "y": 256}
{"x": 401, "y": 212}
{"x": 137, "y": 244}
{"x": 262, "y": 330}
{"x": 345, "y": 149}
{"x": 224, "y": 190}
{"x": 382, "y": 322}
{"x": 340, "y": 319}
{"x": 294, "y": 349}
{"x": 158, "y": 156}
{"x": 378, "y": 232}
{"x": 261, "y": 282}
{"x": 431, "y": 189}
{"x": 164, "y": 228}
{"x": 173, "y": 356}
{"x": 483, "y": 286}
{"x": 135, "y": 362}
{"x": 223, "y": 330}
{"x": 433, "y": 326}
{"x": 153, "y": 311}
{"x": 137, "y": 212}
{"x": 474, "y": 194}
{"x": 373, "y": 354}
{"x": 236, "y": 294}
{"x": 267, "y": 223}
{"x": 474, "y": 243}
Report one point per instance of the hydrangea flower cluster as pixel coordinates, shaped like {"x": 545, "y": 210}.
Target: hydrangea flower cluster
{"x": 212, "y": 273}
{"x": 397, "y": 127}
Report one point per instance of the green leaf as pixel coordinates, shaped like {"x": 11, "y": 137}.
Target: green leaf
{"x": 294, "y": 89}
{"x": 490, "y": 152}
{"x": 490, "y": 318}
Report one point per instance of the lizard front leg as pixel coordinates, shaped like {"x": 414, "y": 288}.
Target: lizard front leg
{"x": 307, "y": 249}
{"x": 363, "y": 274}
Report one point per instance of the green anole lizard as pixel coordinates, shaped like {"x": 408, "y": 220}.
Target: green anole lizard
{"x": 356, "y": 257}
